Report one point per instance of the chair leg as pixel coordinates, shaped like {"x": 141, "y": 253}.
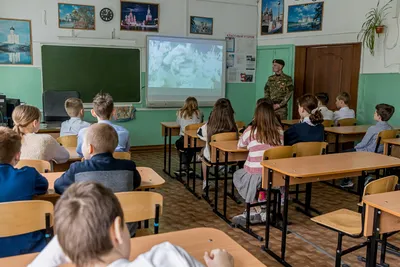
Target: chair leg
{"x": 338, "y": 260}
{"x": 156, "y": 219}
{"x": 274, "y": 207}
{"x": 383, "y": 249}
{"x": 297, "y": 192}
{"x": 247, "y": 215}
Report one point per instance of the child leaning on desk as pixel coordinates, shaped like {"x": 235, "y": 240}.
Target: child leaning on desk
{"x": 90, "y": 231}
{"x": 17, "y": 185}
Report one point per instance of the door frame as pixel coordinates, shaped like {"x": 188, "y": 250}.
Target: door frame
{"x": 300, "y": 71}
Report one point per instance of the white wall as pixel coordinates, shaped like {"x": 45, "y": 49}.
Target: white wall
{"x": 342, "y": 21}
{"x": 236, "y": 16}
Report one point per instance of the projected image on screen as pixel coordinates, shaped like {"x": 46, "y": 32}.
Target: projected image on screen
{"x": 179, "y": 64}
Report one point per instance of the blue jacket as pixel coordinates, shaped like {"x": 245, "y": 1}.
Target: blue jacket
{"x": 304, "y": 132}
{"x": 99, "y": 162}
{"x": 18, "y": 185}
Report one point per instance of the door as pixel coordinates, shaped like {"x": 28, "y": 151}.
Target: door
{"x": 328, "y": 68}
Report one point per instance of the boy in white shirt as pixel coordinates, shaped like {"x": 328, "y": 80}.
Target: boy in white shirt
{"x": 74, "y": 108}
{"x": 344, "y": 112}
{"x": 90, "y": 231}
{"x": 323, "y": 100}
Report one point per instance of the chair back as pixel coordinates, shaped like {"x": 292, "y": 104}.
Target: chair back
{"x": 41, "y": 166}
{"x": 305, "y": 149}
{"x": 140, "y": 206}
{"x": 231, "y": 136}
{"x": 387, "y": 134}
{"x": 122, "y": 155}
{"x": 347, "y": 122}
{"x": 240, "y": 125}
{"x": 22, "y": 217}
{"x": 117, "y": 181}
{"x": 328, "y": 123}
{"x": 382, "y": 185}
{"x": 279, "y": 152}
{"x": 68, "y": 140}
{"x": 193, "y": 126}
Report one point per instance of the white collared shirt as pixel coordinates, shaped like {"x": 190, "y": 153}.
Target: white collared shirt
{"x": 326, "y": 113}
{"x": 343, "y": 113}
{"x": 73, "y": 126}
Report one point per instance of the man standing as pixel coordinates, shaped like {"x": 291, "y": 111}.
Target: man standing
{"x": 279, "y": 88}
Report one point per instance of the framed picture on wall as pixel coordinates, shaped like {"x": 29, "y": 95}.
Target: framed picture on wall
{"x": 272, "y": 16}
{"x": 201, "y": 25}
{"x": 15, "y": 42}
{"x": 79, "y": 17}
{"x": 305, "y": 17}
{"x": 142, "y": 17}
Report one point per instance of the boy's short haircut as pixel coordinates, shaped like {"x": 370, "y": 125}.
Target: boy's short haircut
{"x": 385, "y": 111}
{"x": 73, "y": 106}
{"x": 103, "y": 105}
{"x": 83, "y": 217}
{"x": 102, "y": 137}
{"x": 10, "y": 144}
{"x": 323, "y": 98}
{"x": 345, "y": 97}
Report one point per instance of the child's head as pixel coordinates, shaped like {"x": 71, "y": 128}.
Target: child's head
{"x": 383, "y": 112}
{"x": 89, "y": 223}
{"x": 26, "y": 119}
{"x": 74, "y": 107}
{"x": 222, "y": 118}
{"x": 191, "y": 106}
{"x": 267, "y": 125}
{"x": 103, "y": 106}
{"x": 264, "y": 100}
{"x": 10, "y": 146}
{"x": 342, "y": 100}
{"x": 308, "y": 107}
{"x": 99, "y": 138}
{"x": 323, "y": 99}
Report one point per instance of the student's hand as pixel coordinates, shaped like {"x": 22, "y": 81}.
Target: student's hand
{"x": 218, "y": 258}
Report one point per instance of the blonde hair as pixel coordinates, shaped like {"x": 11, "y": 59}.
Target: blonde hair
{"x": 189, "y": 108}
{"x": 10, "y": 145}
{"x": 73, "y": 106}
{"x": 23, "y": 116}
{"x": 102, "y": 137}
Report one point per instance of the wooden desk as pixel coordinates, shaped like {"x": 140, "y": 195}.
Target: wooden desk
{"x": 382, "y": 215}
{"x": 51, "y": 129}
{"x": 344, "y": 134}
{"x": 195, "y": 241}
{"x": 168, "y": 129}
{"x": 288, "y": 123}
{"x": 388, "y": 144}
{"x": 290, "y": 171}
{"x": 73, "y": 157}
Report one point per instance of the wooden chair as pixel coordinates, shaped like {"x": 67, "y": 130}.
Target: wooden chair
{"x": 122, "y": 155}
{"x": 347, "y": 122}
{"x": 328, "y": 123}
{"x": 68, "y": 140}
{"x": 240, "y": 125}
{"x": 350, "y": 223}
{"x": 388, "y": 134}
{"x": 22, "y": 217}
{"x": 141, "y": 206}
{"x": 41, "y": 166}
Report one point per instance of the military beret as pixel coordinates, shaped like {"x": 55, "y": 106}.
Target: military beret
{"x": 279, "y": 61}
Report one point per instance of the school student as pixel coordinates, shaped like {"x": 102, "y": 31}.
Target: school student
{"x": 90, "y": 231}
{"x": 17, "y": 185}
{"x": 264, "y": 133}
{"x": 344, "y": 112}
{"x": 187, "y": 115}
{"x": 103, "y": 107}
{"x": 221, "y": 121}
{"x": 259, "y": 101}
{"x": 310, "y": 128}
{"x": 36, "y": 146}
{"x": 75, "y": 111}
{"x": 323, "y": 99}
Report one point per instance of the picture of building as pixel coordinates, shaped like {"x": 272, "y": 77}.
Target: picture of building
{"x": 139, "y": 17}
{"x": 272, "y": 16}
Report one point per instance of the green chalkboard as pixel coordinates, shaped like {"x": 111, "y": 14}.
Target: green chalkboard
{"x": 89, "y": 70}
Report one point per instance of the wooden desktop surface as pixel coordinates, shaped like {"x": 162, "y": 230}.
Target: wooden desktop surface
{"x": 394, "y": 141}
{"x": 357, "y": 129}
{"x": 170, "y": 126}
{"x": 387, "y": 202}
{"x": 73, "y": 156}
{"x": 195, "y": 241}
{"x": 228, "y": 146}
{"x": 290, "y": 122}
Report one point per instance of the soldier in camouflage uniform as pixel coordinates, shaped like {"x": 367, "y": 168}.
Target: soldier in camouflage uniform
{"x": 279, "y": 88}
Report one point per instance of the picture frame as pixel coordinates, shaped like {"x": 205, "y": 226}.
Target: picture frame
{"x": 201, "y": 25}
{"x": 16, "y": 44}
{"x": 272, "y": 17}
{"x": 305, "y": 17}
{"x": 139, "y": 16}
{"x": 76, "y": 17}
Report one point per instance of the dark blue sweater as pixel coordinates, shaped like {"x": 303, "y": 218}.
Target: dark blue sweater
{"x": 18, "y": 185}
{"x": 303, "y": 132}
{"x": 99, "y": 162}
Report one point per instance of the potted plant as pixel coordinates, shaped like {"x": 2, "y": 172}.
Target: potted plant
{"x": 373, "y": 25}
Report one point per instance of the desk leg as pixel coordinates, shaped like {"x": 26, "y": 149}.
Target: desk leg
{"x": 226, "y": 182}
{"x": 285, "y": 218}
{"x": 389, "y": 151}
{"x": 360, "y": 185}
{"x": 337, "y": 143}
{"x": 267, "y": 222}
{"x": 165, "y": 149}
{"x": 371, "y": 257}
{"x": 169, "y": 152}
{"x": 193, "y": 189}
{"x": 216, "y": 182}
{"x": 222, "y": 216}
{"x": 307, "y": 204}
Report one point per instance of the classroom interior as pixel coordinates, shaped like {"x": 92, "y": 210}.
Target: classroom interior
{"x": 339, "y": 62}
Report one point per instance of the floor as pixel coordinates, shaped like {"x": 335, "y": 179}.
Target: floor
{"x": 308, "y": 245}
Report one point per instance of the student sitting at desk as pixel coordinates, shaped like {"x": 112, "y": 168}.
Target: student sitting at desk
{"x": 103, "y": 108}
{"x": 90, "y": 231}
{"x": 344, "y": 112}
{"x": 36, "y": 146}
{"x": 74, "y": 108}
{"x": 323, "y": 99}
{"x": 17, "y": 185}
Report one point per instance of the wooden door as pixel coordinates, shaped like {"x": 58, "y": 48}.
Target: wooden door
{"x": 328, "y": 68}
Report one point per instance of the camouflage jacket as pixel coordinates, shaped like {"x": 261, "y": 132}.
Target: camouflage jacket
{"x": 279, "y": 89}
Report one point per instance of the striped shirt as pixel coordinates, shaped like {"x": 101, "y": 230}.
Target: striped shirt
{"x": 256, "y": 150}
